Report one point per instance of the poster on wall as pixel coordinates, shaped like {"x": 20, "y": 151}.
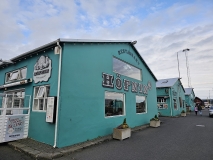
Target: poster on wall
{"x": 15, "y": 128}
{"x": 42, "y": 69}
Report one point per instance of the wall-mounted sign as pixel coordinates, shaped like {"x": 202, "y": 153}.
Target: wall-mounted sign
{"x": 122, "y": 51}
{"x": 108, "y": 82}
{"x": 15, "y": 128}
{"x": 50, "y": 114}
{"x": 42, "y": 69}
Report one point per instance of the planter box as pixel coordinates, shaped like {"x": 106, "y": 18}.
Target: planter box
{"x": 121, "y": 133}
{"x": 154, "y": 123}
{"x": 183, "y": 114}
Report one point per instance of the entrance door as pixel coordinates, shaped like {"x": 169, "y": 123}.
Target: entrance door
{"x": 14, "y": 115}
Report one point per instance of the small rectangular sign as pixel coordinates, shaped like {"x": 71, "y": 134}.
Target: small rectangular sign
{"x": 15, "y": 128}
{"x": 50, "y": 109}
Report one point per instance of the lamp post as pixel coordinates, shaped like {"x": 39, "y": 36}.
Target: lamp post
{"x": 184, "y": 50}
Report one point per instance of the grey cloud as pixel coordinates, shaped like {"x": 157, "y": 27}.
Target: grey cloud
{"x": 207, "y": 40}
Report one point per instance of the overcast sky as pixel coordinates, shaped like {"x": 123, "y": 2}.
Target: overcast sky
{"x": 161, "y": 27}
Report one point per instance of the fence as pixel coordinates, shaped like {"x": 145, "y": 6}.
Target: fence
{"x": 14, "y": 117}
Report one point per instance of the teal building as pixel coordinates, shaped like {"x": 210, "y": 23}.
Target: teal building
{"x": 170, "y": 97}
{"x": 80, "y": 89}
{"x": 189, "y": 97}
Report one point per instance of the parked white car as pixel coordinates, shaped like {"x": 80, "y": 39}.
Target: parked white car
{"x": 210, "y": 111}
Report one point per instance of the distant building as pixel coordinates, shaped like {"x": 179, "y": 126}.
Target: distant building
{"x": 170, "y": 97}
{"x": 189, "y": 99}
{"x": 198, "y": 100}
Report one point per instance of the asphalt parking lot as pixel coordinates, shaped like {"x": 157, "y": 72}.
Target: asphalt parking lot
{"x": 183, "y": 138}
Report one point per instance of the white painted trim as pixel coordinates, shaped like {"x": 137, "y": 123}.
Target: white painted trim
{"x": 124, "y": 106}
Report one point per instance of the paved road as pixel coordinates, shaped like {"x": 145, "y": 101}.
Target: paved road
{"x": 176, "y": 139}
{"x": 7, "y": 153}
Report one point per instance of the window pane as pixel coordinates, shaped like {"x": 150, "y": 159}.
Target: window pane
{"x": 35, "y": 107}
{"x": 41, "y": 104}
{"x": 114, "y": 104}
{"x": 23, "y": 73}
{"x": 41, "y": 92}
{"x": 36, "y": 91}
{"x": 45, "y": 104}
{"x": 126, "y": 69}
{"x": 14, "y": 75}
{"x": 140, "y": 104}
{"x": 8, "y": 76}
{"x": 47, "y": 90}
{"x": 16, "y": 103}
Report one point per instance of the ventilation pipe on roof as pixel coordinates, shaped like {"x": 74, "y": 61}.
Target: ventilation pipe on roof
{"x": 58, "y": 50}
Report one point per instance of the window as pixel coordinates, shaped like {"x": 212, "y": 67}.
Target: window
{"x": 40, "y": 98}
{"x": 126, "y": 69}
{"x": 41, "y": 91}
{"x": 16, "y": 75}
{"x": 175, "y": 104}
{"x": 114, "y": 104}
{"x": 161, "y": 103}
{"x": 141, "y": 104}
{"x": 161, "y": 100}
{"x": 180, "y": 101}
{"x": 14, "y": 99}
{"x": 162, "y": 106}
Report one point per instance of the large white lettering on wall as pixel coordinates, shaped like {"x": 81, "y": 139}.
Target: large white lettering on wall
{"x": 126, "y": 85}
{"x": 42, "y": 69}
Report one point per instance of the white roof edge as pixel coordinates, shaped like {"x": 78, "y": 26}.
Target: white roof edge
{"x": 92, "y": 40}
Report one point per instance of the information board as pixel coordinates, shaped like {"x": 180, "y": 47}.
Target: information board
{"x": 50, "y": 109}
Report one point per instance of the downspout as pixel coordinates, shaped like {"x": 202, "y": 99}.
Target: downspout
{"x": 58, "y": 94}
{"x": 171, "y": 100}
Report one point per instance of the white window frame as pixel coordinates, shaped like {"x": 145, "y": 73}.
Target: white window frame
{"x": 145, "y": 104}
{"x": 124, "y": 111}
{"x": 20, "y": 98}
{"x": 19, "y": 76}
{"x": 40, "y": 97}
{"x": 162, "y": 100}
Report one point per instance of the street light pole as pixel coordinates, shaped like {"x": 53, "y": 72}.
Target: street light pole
{"x": 184, "y": 50}
{"x": 178, "y": 65}
{"x": 187, "y": 66}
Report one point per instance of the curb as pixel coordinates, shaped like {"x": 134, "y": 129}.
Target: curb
{"x": 59, "y": 152}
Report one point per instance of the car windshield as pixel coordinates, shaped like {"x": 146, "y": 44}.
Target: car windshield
{"x": 211, "y": 107}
